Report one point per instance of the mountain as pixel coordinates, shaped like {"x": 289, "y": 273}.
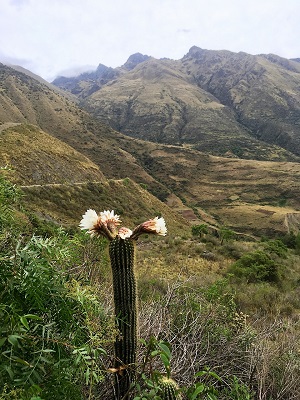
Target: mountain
{"x": 87, "y": 83}
{"x": 220, "y": 102}
{"x": 262, "y": 90}
{"x": 32, "y": 115}
{"x": 66, "y": 161}
{"x": 24, "y": 99}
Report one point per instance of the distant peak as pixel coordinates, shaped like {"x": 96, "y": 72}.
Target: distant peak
{"x": 195, "y": 51}
{"x": 102, "y": 68}
{"x": 134, "y": 60}
{"x": 195, "y": 48}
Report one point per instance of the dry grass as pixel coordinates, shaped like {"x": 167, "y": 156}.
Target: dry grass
{"x": 65, "y": 203}
{"x": 37, "y": 158}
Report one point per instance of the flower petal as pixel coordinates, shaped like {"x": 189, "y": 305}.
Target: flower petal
{"x": 160, "y": 226}
{"x": 110, "y": 217}
{"x": 89, "y": 220}
{"x": 124, "y": 233}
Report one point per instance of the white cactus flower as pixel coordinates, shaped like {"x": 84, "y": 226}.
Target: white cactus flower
{"x": 89, "y": 220}
{"x": 156, "y": 225}
{"x": 125, "y": 233}
{"x": 110, "y": 217}
{"x": 160, "y": 226}
{"x": 104, "y": 224}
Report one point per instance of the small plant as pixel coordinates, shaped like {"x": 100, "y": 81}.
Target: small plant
{"x": 152, "y": 383}
{"x": 199, "y": 230}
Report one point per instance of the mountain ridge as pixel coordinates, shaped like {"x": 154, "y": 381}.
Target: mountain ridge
{"x": 213, "y": 100}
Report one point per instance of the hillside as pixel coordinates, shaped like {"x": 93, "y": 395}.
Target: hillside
{"x": 36, "y": 158}
{"x": 246, "y": 195}
{"x": 220, "y": 102}
{"x": 23, "y": 99}
{"x": 60, "y": 184}
{"x": 262, "y": 90}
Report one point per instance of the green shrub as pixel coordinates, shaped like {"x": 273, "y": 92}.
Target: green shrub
{"x": 9, "y": 196}
{"x": 256, "y": 266}
{"x": 276, "y": 247}
{"x": 199, "y": 230}
{"x": 53, "y": 327}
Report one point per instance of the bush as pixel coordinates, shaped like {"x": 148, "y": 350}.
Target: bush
{"x": 256, "y": 266}
{"x": 276, "y": 247}
{"x": 48, "y": 323}
{"x": 199, "y": 230}
{"x": 53, "y": 327}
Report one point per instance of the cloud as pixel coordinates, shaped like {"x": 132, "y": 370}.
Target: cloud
{"x": 19, "y": 3}
{"x": 183, "y": 30}
{"x": 6, "y": 59}
{"x": 76, "y": 70}
{"x": 62, "y": 34}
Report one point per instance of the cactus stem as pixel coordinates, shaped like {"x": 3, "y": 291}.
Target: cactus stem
{"x": 121, "y": 253}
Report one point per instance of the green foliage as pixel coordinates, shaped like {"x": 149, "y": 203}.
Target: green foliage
{"x": 226, "y": 234}
{"x": 276, "y": 247}
{"x": 297, "y": 243}
{"x": 52, "y": 325}
{"x": 289, "y": 240}
{"x": 144, "y": 186}
{"x": 43, "y": 323}
{"x": 9, "y": 196}
{"x": 151, "y": 382}
{"x": 210, "y": 386}
{"x": 157, "y": 384}
{"x": 256, "y": 266}
{"x": 199, "y": 230}
{"x": 204, "y": 387}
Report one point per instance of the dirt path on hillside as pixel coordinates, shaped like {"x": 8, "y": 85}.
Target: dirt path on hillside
{"x": 7, "y": 125}
{"x": 292, "y": 222}
{"x": 56, "y": 184}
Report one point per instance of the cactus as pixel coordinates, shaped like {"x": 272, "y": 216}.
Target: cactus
{"x": 121, "y": 253}
{"x": 169, "y": 389}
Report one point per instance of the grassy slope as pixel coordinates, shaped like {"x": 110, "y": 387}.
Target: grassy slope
{"x": 255, "y": 197}
{"x": 233, "y": 190}
{"x": 66, "y": 203}
{"x": 38, "y": 158}
{"x": 246, "y": 195}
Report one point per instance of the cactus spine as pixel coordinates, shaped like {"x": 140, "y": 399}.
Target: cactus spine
{"x": 169, "y": 389}
{"x": 121, "y": 253}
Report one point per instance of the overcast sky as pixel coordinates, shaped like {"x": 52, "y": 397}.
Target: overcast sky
{"x": 64, "y": 37}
